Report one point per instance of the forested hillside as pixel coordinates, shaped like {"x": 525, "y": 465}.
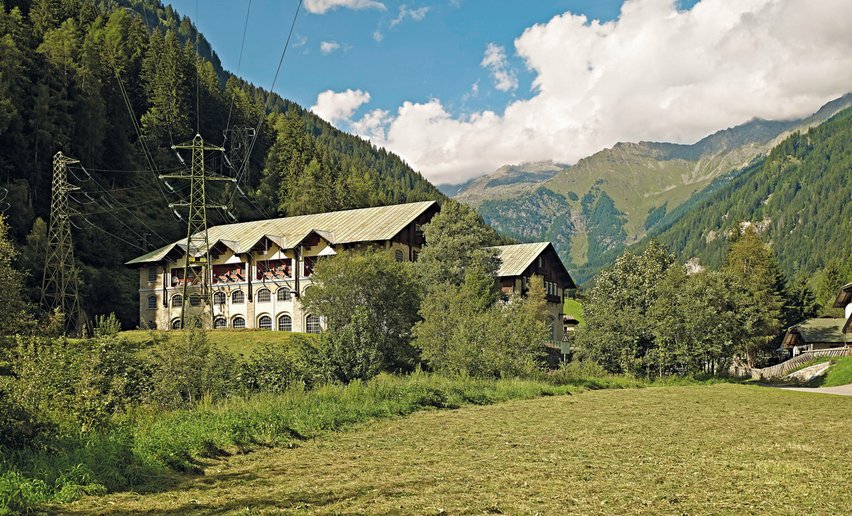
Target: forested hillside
{"x": 97, "y": 80}
{"x": 799, "y": 197}
{"x": 613, "y": 198}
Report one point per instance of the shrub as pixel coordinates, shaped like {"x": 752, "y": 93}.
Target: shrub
{"x": 277, "y": 368}
{"x": 184, "y": 370}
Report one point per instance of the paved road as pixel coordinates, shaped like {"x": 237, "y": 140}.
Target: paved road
{"x": 843, "y": 390}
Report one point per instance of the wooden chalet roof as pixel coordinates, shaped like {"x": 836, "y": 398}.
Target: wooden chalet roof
{"x": 515, "y": 259}
{"x": 844, "y": 297}
{"x": 338, "y": 227}
{"x": 817, "y": 330}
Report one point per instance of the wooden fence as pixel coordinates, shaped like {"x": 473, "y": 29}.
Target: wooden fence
{"x": 784, "y": 368}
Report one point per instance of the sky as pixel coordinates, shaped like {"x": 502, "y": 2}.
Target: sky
{"x": 459, "y": 88}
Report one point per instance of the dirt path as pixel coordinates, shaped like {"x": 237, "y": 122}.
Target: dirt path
{"x": 842, "y": 390}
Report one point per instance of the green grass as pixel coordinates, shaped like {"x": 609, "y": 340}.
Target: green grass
{"x": 674, "y": 450}
{"x": 840, "y": 373}
{"x": 239, "y": 342}
{"x": 146, "y": 448}
{"x": 574, "y": 308}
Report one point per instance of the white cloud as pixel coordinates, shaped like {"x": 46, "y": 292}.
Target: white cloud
{"x": 335, "y": 107}
{"x": 405, "y": 12}
{"x": 323, "y": 6}
{"x": 655, "y": 73}
{"x": 495, "y": 61}
{"x": 372, "y": 125}
{"x": 327, "y": 47}
{"x": 378, "y": 36}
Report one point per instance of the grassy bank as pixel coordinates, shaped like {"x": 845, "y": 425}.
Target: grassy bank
{"x": 146, "y": 448}
{"x": 840, "y": 373}
{"x": 238, "y": 342}
{"x": 718, "y": 449}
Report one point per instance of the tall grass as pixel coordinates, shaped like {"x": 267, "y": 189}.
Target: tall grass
{"x": 142, "y": 449}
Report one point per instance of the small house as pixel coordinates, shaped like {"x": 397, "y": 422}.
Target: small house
{"x": 520, "y": 262}
{"x": 815, "y": 334}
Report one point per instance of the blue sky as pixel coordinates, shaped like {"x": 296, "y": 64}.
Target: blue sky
{"x": 438, "y": 56}
{"x": 461, "y": 87}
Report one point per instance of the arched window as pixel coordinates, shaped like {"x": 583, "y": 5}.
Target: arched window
{"x": 264, "y": 322}
{"x": 238, "y": 298}
{"x": 177, "y": 300}
{"x": 219, "y": 323}
{"x": 195, "y": 299}
{"x": 238, "y": 323}
{"x": 152, "y": 302}
{"x": 398, "y": 256}
{"x": 284, "y": 294}
{"x": 176, "y": 324}
{"x": 285, "y": 323}
{"x": 219, "y": 298}
{"x": 263, "y": 296}
{"x": 312, "y": 324}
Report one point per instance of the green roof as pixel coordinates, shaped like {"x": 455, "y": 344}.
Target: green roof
{"x": 339, "y": 227}
{"x": 516, "y": 258}
{"x": 819, "y": 330}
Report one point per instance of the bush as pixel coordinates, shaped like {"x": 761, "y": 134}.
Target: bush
{"x": 185, "y": 370}
{"x": 277, "y": 368}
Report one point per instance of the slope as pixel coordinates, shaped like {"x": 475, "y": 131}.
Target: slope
{"x": 69, "y": 71}
{"x": 614, "y": 197}
{"x": 799, "y": 197}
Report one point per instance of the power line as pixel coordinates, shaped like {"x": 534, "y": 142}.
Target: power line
{"x": 270, "y": 93}
{"x": 239, "y": 63}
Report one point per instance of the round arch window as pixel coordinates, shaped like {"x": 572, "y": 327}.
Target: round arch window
{"x": 176, "y": 324}
{"x": 284, "y": 294}
{"x": 312, "y": 324}
{"x": 177, "y": 300}
{"x": 285, "y": 322}
{"x": 219, "y": 298}
{"x": 219, "y": 323}
{"x": 195, "y": 299}
{"x": 238, "y": 297}
{"x": 264, "y": 322}
{"x": 263, "y": 296}
{"x": 238, "y": 323}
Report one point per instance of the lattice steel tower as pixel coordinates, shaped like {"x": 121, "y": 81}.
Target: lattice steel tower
{"x": 196, "y": 270}
{"x": 59, "y": 284}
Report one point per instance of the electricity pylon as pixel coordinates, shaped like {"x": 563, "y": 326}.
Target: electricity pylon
{"x": 59, "y": 283}
{"x": 196, "y": 269}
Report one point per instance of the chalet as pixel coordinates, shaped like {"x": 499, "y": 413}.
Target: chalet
{"x": 522, "y": 261}
{"x": 844, "y": 300}
{"x": 260, "y": 270}
{"x": 815, "y": 334}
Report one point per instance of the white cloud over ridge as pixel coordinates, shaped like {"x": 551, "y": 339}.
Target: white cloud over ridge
{"x": 655, "y": 73}
{"x": 335, "y": 107}
{"x": 495, "y": 61}
{"x": 323, "y": 6}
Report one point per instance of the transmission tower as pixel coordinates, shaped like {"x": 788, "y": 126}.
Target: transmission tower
{"x": 238, "y": 152}
{"x": 59, "y": 283}
{"x": 196, "y": 269}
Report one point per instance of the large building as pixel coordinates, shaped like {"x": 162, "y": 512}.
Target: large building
{"x": 261, "y": 269}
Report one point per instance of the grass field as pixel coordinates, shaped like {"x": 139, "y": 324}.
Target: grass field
{"x": 840, "y": 373}
{"x": 719, "y": 449}
{"x": 239, "y": 342}
{"x": 574, "y": 308}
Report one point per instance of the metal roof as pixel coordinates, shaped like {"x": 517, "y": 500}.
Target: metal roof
{"x": 516, "y": 258}
{"x": 818, "y": 330}
{"x": 339, "y": 227}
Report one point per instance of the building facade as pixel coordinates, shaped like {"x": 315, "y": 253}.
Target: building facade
{"x": 260, "y": 270}
{"x": 520, "y": 262}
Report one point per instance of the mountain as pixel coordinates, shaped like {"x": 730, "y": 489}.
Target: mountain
{"x": 507, "y": 182}
{"x": 614, "y": 197}
{"x": 115, "y": 84}
{"x": 799, "y": 197}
